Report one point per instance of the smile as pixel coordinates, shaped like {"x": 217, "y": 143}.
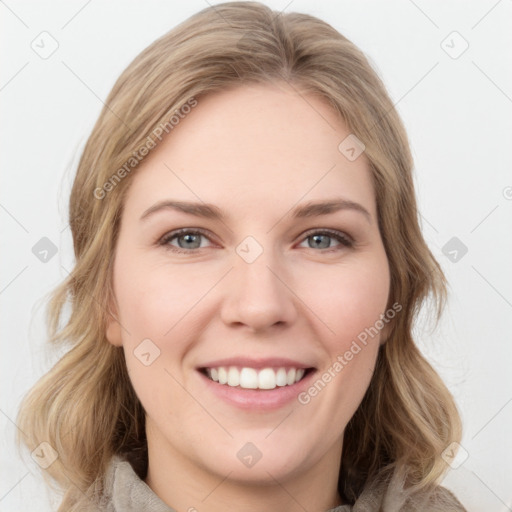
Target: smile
{"x": 252, "y": 378}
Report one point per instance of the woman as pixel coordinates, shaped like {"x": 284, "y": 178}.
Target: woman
{"x": 248, "y": 268}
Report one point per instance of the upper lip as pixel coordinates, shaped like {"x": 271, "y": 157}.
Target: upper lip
{"x": 258, "y": 363}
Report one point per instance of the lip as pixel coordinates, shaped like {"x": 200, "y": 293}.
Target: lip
{"x": 258, "y": 399}
{"x": 258, "y": 364}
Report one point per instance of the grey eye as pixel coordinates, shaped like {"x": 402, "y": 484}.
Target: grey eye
{"x": 190, "y": 241}
{"x": 318, "y": 242}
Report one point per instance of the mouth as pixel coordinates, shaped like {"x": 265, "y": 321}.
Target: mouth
{"x": 247, "y": 377}
{"x": 256, "y": 384}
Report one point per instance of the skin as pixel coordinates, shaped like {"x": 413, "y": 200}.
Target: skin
{"x": 256, "y": 152}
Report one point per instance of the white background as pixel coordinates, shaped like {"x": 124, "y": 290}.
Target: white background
{"x": 458, "y": 115}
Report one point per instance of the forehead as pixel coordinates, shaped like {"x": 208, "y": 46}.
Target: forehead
{"x": 254, "y": 145}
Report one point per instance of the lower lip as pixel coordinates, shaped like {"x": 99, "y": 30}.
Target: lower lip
{"x": 257, "y": 399}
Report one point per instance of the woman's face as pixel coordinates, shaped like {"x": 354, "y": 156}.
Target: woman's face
{"x": 262, "y": 286}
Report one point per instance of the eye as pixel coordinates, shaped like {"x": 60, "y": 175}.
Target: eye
{"x": 188, "y": 240}
{"x": 320, "y": 239}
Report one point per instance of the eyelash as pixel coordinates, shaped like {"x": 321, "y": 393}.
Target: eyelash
{"x": 345, "y": 240}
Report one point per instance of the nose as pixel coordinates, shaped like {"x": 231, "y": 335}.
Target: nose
{"x": 258, "y": 295}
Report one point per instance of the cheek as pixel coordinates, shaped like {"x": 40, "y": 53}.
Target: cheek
{"x": 158, "y": 308}
{"x": 153, "y": 301}
{"x": 351, "y": 301}
{"x": 356, "y": 306}
{"x": 153, "y": 306}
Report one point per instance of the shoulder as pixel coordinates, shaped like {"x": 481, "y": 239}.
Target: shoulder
{"x": 124, "y": 491}
{"x": 390, "y": 496}
{"x": 439, "y": 499}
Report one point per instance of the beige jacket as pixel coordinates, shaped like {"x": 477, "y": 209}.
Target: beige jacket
{"x": 125, "y": 492}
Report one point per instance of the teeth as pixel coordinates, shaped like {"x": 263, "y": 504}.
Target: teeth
{"x": 281, "y": 377}
{"x": 223, "y": 376}
{"x": 267, "y": 379}
{"x": 290, "y": 378}
{"x": 233, "y": 377}
{"x": 250, "y": 378}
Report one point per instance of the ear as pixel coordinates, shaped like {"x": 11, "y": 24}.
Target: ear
{"x": 113, "y": 329}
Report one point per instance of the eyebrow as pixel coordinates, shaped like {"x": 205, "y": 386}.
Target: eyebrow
{"x": 210, "y": 211}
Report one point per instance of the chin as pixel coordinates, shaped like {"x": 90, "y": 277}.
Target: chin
{"x": 260, "y": 463}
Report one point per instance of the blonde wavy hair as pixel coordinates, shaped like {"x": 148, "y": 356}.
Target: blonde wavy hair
{"x": 85, "y": 406}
